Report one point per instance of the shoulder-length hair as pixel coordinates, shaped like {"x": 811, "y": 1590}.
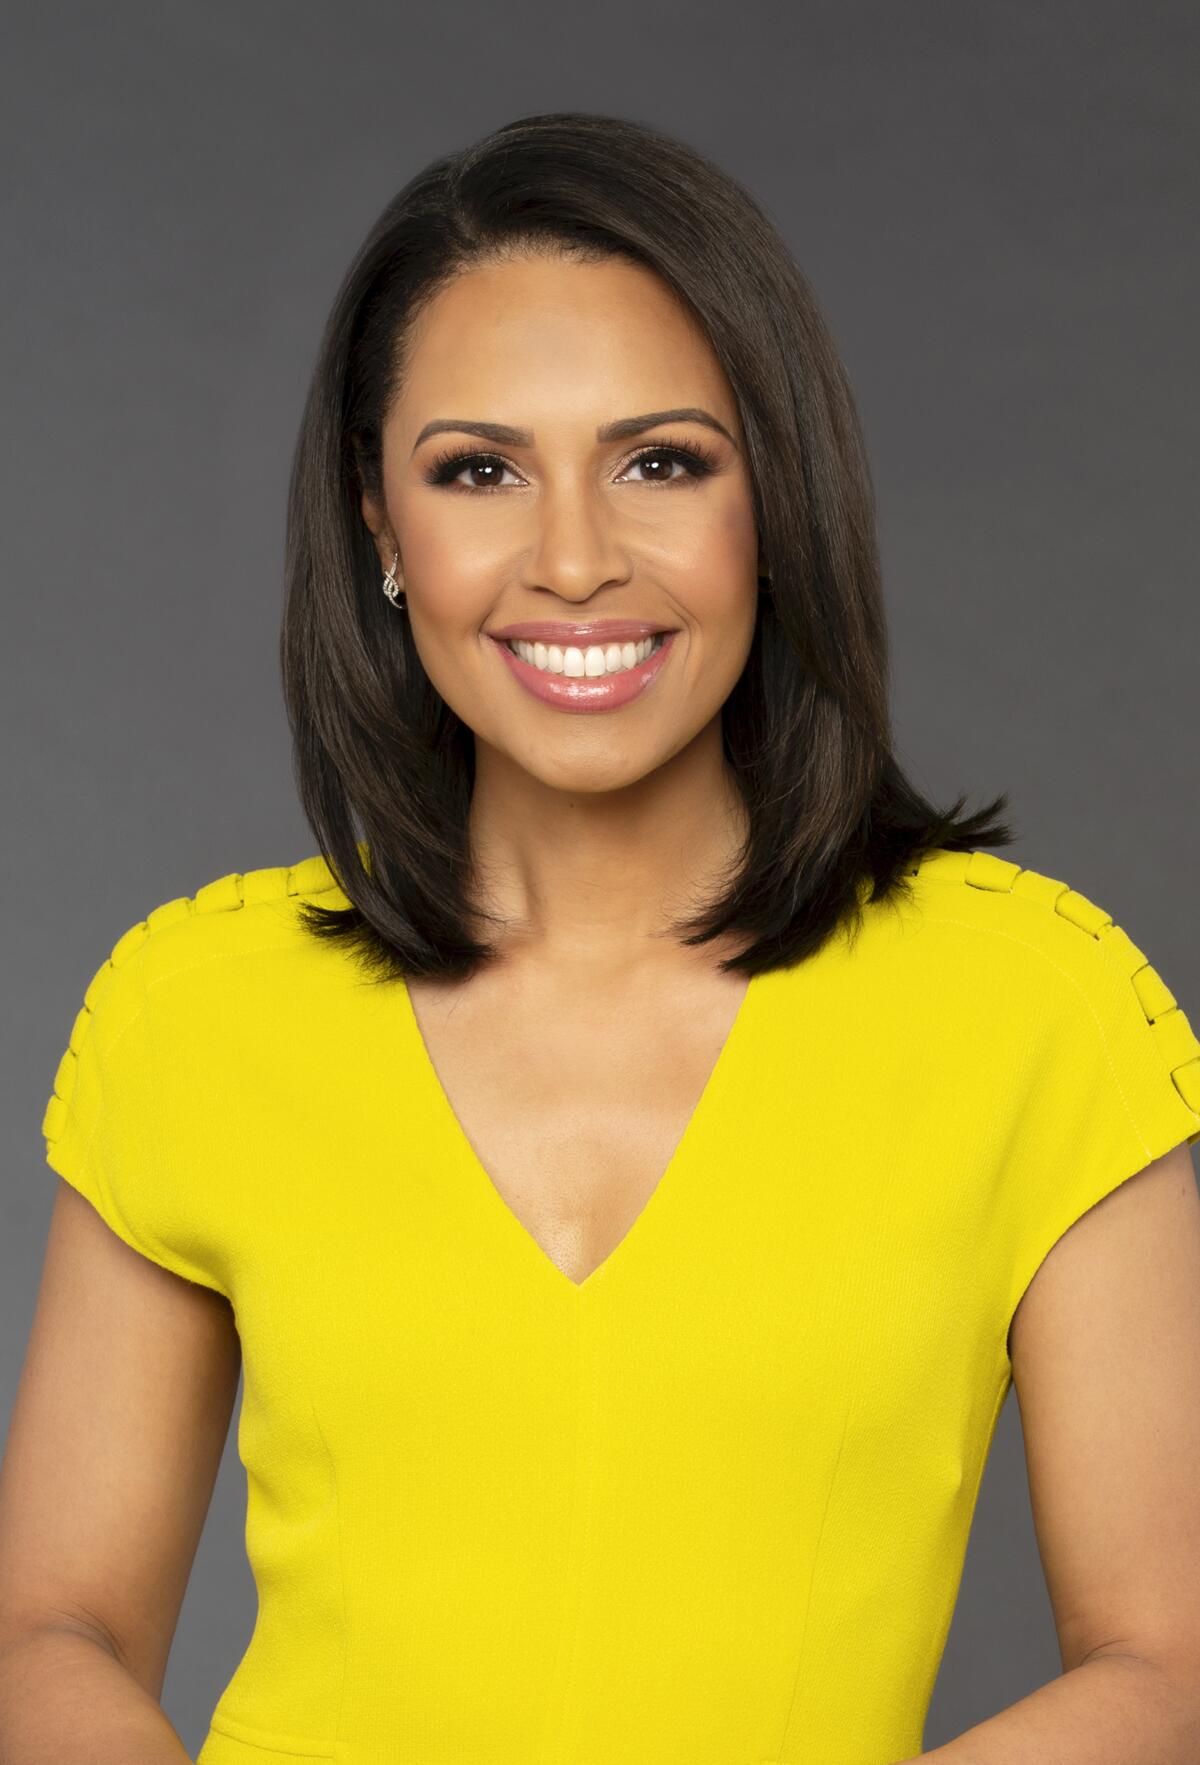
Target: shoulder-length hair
{"x": 385, "y": 768}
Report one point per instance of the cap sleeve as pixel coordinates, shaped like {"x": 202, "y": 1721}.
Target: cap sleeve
{"x": 1114, "y": 1085}
{"x": 100, "y": 1125}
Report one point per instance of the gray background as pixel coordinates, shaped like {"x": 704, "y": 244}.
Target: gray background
{"x": 996, "y": 206}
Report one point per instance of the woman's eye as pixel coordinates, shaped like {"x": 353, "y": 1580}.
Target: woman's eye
{"x": 490, "y": 470}
{"x": 693, "y": 466}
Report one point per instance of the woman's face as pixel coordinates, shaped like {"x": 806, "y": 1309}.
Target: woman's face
{"x": 574, "y": 515}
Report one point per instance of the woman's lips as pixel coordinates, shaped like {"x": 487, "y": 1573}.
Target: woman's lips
{"x": 600, "y": 692}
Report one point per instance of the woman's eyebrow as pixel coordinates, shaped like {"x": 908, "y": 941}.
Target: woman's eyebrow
{"x": 621, "y": 430}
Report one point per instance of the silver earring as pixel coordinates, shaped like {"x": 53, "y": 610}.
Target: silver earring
{"x": 391, "y": 587}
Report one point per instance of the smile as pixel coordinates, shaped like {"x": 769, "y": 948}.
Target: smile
{"x": 598, "y": 677}
{"x": 596, "y": 659}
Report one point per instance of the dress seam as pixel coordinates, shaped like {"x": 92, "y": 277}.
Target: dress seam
{"x": 812, "y": 1576}
{"x": 337, "y": 1508}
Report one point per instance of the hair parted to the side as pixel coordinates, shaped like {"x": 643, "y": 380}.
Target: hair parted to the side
{"x": 385, "y": 768}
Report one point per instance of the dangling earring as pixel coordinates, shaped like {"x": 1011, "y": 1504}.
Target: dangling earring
{"x": 391, "y": 587}
{"x": 764, "y": 582}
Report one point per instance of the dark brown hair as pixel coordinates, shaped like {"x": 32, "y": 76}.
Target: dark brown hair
{"x": 385, "y": 768}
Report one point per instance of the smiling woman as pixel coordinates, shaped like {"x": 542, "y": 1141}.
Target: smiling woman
{"x": 573, "y": 379}
{"x": 627, "y": 1278}
{"x": 650, "y": 542}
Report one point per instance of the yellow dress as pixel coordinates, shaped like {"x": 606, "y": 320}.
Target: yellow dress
{"x": 710, "y": 1506}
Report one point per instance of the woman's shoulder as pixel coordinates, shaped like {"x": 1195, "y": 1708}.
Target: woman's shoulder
{"x": 1042, "y": 947}
{"x": 228, "y": 916}
{"x": 168, "y": 1024}
{"x": 235, "y": 912}
{"x": 1029, "y": 909}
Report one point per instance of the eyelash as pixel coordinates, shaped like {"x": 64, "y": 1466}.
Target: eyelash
{"x": 698, "y": 460}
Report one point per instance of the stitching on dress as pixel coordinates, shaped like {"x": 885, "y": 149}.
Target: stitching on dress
{"x": 1100, "y": 932}
{"x": 129, "y": 944}
{"x": 337, "y": 1501}
{"x": 1013, "y": 938}
{"x": 96, "y": 986}
{"x": 816, "y": 1563}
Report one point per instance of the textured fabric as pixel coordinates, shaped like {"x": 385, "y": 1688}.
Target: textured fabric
{"x": 709, "y": 1507}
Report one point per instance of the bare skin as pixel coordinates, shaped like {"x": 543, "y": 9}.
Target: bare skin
{"x": 1106, "y": 1363}
{"x": 115, "y": 1440}
{"x": 576, "y": 1146}
{"x": 590, "y": 832}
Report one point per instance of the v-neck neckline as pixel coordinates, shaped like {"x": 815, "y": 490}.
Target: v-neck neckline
{"x": 664, "y": 1188}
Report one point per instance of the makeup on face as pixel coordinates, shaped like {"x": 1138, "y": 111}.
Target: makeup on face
{"x": 514, "y": 499}
{"x": 598, "y": 665}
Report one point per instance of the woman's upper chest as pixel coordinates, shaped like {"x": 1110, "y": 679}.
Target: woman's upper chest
{"x": 573, "y": 1097}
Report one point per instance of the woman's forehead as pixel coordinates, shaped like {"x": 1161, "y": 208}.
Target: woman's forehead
{"x": 573, "y": 343}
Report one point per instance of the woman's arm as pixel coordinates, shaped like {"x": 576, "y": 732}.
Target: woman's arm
{"x": 1106, "y": 1364}
{"x": 114, "y": 1445}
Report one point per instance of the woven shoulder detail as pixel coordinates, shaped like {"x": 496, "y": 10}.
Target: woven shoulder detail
{"x": 311, "y": 876}
{"x": 1173, "y": 1034}
{"x": 249, "y": 888}
{"x": 64, "y": 1078}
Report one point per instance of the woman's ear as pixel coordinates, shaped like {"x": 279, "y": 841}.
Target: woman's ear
{"x": 376, "y": 519}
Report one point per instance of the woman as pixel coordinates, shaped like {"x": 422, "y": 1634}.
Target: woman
{"x": 626, "y": 1155}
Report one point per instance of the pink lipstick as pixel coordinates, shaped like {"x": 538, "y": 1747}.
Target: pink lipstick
{"x": 573, "y": 692}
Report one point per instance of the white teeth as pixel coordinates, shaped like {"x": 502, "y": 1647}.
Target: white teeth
{"x": 613, "y": 658}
